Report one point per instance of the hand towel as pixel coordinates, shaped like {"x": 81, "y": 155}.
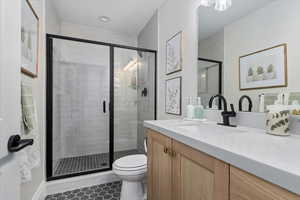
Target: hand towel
{"x": 30, "y": 156}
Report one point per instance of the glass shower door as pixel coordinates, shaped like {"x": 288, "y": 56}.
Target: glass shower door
{"x": 134, "y": 99}
{"x": 80, "y": 107}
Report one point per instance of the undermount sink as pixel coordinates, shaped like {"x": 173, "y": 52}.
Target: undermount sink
{"x": 209, "y": 127}
{"x": 189, "y": 123}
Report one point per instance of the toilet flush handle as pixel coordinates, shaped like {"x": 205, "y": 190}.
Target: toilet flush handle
{"x": 145, "y": 145}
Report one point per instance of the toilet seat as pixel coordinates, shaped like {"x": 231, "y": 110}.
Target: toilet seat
{"x": 132, "y": 171}
{"x": 131, "y": 163}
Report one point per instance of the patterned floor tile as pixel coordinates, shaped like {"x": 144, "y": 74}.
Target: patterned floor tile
{"x": 109, "y": 191}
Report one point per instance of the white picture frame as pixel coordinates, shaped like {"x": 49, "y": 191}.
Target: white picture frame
{"x": 174, "y": 54}
{"x": 173, "y": 96}
{"x": 264, "y": 69}
{"x": 29, "y": 40}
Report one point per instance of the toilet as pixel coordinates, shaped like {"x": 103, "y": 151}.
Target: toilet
{"x": 132, "y": 171}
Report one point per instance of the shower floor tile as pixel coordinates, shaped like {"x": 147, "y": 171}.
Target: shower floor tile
{"x": 87, "y": 163}
{"x": 108, "y": 191}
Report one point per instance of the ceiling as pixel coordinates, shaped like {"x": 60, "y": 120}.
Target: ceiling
{"x": 127, "y": 16}
{"x": 211, "y": 21}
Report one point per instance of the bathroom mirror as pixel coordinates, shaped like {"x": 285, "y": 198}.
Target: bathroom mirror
{"x": 258, "y": 44}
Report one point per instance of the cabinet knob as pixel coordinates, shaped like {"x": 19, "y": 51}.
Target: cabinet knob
{"x": 166, "y": 150}
{"x": 170, "y": 152}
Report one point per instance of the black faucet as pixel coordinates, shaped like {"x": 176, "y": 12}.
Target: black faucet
{"x": 241, "y": 103}
{"x": 225, "y": 114}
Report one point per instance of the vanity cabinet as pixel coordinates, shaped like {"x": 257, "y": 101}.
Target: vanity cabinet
{"x": 159, "y": 167}
{"x": 178, "y": 172}
{"x": 197, "y": 175}
{"x": 244, "y": 186}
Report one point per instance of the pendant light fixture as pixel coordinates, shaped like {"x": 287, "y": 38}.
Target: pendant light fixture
{"x": 222, "y": 5}
{"x": 219, "y": 5}
{"x": 207, "y": 3}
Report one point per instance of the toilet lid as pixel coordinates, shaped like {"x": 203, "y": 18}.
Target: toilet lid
{"x": 133, "y": 161}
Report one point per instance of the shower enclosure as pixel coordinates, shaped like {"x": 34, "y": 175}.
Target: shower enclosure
{"x": 98, "y": 95}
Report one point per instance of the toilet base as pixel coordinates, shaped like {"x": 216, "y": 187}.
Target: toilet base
{"x": 132, "y": 191}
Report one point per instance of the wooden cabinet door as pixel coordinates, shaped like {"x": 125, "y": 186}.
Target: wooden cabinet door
{"x": 197, "y": 176}
{"x": 244, "y": 186}
{"x": 159, "y": 167}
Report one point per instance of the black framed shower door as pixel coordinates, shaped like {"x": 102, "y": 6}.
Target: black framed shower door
{"x": 49, "y": 101}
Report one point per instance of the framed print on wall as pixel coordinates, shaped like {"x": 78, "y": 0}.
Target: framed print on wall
{"x": 174, "y": 54}
{"x": 173, "y": 96}
{"x": 29, "y": 40}
{"x": 264, "y": 69}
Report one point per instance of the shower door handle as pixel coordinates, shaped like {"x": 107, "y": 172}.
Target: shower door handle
{"x": 104, "y": 106}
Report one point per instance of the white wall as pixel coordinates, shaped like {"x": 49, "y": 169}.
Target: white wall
{"x": 97, "y": 34}
{"x": 175, "y": 16}
{"x": 269, "y": 26}
{"x": 212, "y": 47}
{"x": 28, "y": 189}
{"x": 53, "y": 21}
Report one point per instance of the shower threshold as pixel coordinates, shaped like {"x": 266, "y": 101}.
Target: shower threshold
{"x": 85, "y": 163}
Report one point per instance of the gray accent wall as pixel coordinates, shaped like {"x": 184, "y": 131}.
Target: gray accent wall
{"x": 147, "y": 38}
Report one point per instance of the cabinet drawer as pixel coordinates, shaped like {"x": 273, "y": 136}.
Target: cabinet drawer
{"x": 244, "y": 186}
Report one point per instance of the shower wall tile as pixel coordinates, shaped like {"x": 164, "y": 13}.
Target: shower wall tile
{"x": 125, "y": 105}
{"x": 82, "y": 125}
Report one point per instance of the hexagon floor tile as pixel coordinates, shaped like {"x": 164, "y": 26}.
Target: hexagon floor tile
{"x": 108, "y": 191}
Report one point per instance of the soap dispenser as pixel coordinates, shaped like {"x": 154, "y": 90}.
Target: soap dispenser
{"x": 262, "y": 103}
{"x": 199, "y": 109}
{"x": 190, "y": 109}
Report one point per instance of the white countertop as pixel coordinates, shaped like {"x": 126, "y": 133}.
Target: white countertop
{"x": 273, "y": 158}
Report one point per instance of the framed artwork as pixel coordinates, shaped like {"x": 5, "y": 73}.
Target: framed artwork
{"x": 264, "y": 69}
{"x": 174, "y": 54}
{"x": 173, "y": 96}
{"x": 29, "y": 39}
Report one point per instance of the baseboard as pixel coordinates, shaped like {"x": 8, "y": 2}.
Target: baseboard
{"x": 63, "y": 185}
{"x": 40, "y": 193}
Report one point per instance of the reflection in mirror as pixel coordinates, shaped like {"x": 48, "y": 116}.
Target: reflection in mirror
{"x": 209, "y": 80}
{"x": 257, "y": 42}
